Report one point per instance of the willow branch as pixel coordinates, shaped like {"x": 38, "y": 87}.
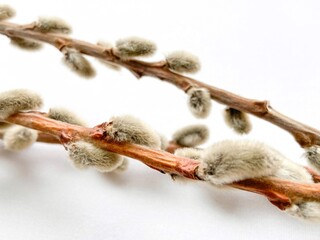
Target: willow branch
{"x": 280, "y": 192}
{"x": 305, "y": 135}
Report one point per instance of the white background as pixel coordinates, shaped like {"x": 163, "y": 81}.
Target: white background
{"x": 258, "y": 49}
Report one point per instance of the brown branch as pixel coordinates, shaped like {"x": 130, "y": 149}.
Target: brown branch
{"x": 304, "y": 135}
{"x": 280, "y": 192}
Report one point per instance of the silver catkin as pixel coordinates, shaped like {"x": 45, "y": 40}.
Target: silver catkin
{"x": 64, "y": 115}
{"x": 192, "y": 153}
{"x": 183, "y": 62}
{"x": 199, "y": 102}
{"x": 85, "y": 154}
{"x": 17, "y": 138}
{"x": 6, "y": 12}
{"x": 25, "y": 44}
{"x": 18, "y": 100}
{"x": 78, "y": 63}
{"x": 123, "y": 167}
{"x": 229, "y": 161}
{"x": 191, "y": 136}
{"x": 131, "y": 129}
{"x": 52, "y": 25}
{"x": 237, "y": 120}
{"x": 313, "y": 156}
{"x": 134, "y": 47}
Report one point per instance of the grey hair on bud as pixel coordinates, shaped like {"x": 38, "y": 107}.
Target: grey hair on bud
{"x": 191, "y": 136}
{"x": 199, "y": 102}
{"x": 131, "y": 129}
{"x": 107, "y": 45}
{"x": 64, "y": 115}
{"x": 85, "y": 154}
{"x": 134, "y": 47}
{"x": 18, "y": 100}
{"x": 313, "y": 156}
{"x": 25, "y": 43}
{"x": 183, "y": 62}
{"x": 52, "y": 25}
{"x": 192, "y": 153}
{"x": 305, "y": 210}
{"x": 123, "y": 167}
{"x": 78, "y": 63}
{"x": 237, "y": 120}
{"x": 164, "y": 142}
{"x": 6, "y": 12}
{"x": 230, "y": 161}
{"x": 17, "y": 138}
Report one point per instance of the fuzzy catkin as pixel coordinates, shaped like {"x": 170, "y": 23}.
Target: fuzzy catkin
{"x": 17, "y": 138}
{"x": 191, "y": 136}
{"x": 183, "y": 62}
{"x": 192, "y": 153}
{"x": 52, "y": 25}
{"x": 132, "y": 130}
{"x": 85, "y": 154}
{"x": 6, "y": 12}
{"x": 134, "y": 47}
{"x": 78, "y": 63}
{"x": 110, "y": 65}
{"x": 237, "y": 120}
{"x": 199, "y": 102}
{"x": 25, "y": 43}
{"x": 18, "y": 100}
{"x": 230, "y": 161}
{"x": 64, "y": 115}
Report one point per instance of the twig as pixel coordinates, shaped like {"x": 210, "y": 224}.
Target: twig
{"x": 279, "y": 192}
{"x": 306, "y": 136}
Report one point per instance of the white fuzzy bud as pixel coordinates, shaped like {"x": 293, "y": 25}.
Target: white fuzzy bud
{"x": 52, "y": 25}
{"x": 191, "y": 136}
{"x": 17, "y": 138}
{"x": 237, "y": 120}
{"x": 78, "y": 63}
{"x": 230, "y": 161}
{"x": 313, "y": 156}
{"x": 18, "y": 100}
{"x": 199, "y": 102}
{"x": 86, "y": 154}
{"x": 6, "y": 12}
{"x": 131, "y": 129}
{"x": 64, "y": 115}
{"x": 192, "y": 153}
{"x": 164, "y": 142}
{"x": 183, "y": 62}
{"x": 134, "y": 47}
{"x": 123, "y": 167}
{"x": 25, "y": 44}
{"x": 306, "y": 210}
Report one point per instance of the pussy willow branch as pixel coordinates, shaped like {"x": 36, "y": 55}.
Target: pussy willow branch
{"x": 306, "y": 136}
{"x": 280, "y": 192}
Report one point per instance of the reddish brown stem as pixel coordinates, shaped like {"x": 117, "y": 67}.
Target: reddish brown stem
{"x": 280, "y": 192}
{"x": 304, "y": 135}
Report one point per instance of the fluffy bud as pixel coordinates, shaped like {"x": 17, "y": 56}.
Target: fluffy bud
{"x": 183, "y": 62}
{"x": 199, "y": 102}
{"x": 192, "y": 153}
{"x": 18, "y": 100}
{"x": 134, "y": 47}
{"x": 64, "y": 115}
{"x": 52, "y": 25}
{"x": 130, "y": 129}
{"x": 107, "y": 45}
{"x": 18, "y": 138}
{"x": 230, "y": 161}
{"x": 164, "y": 142}
{"x": 6, "y": 12}
{"x": 85, "y": 155}
{"x": 306, "y": 210}
{"x": 25, "y": 43}
{"x": 78, "y": 63}
{"x": 191, "y": 136}
{"x": 123, "y": 167}
{"x": 237, "y": 120}
{"x": 313, "y": 156}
